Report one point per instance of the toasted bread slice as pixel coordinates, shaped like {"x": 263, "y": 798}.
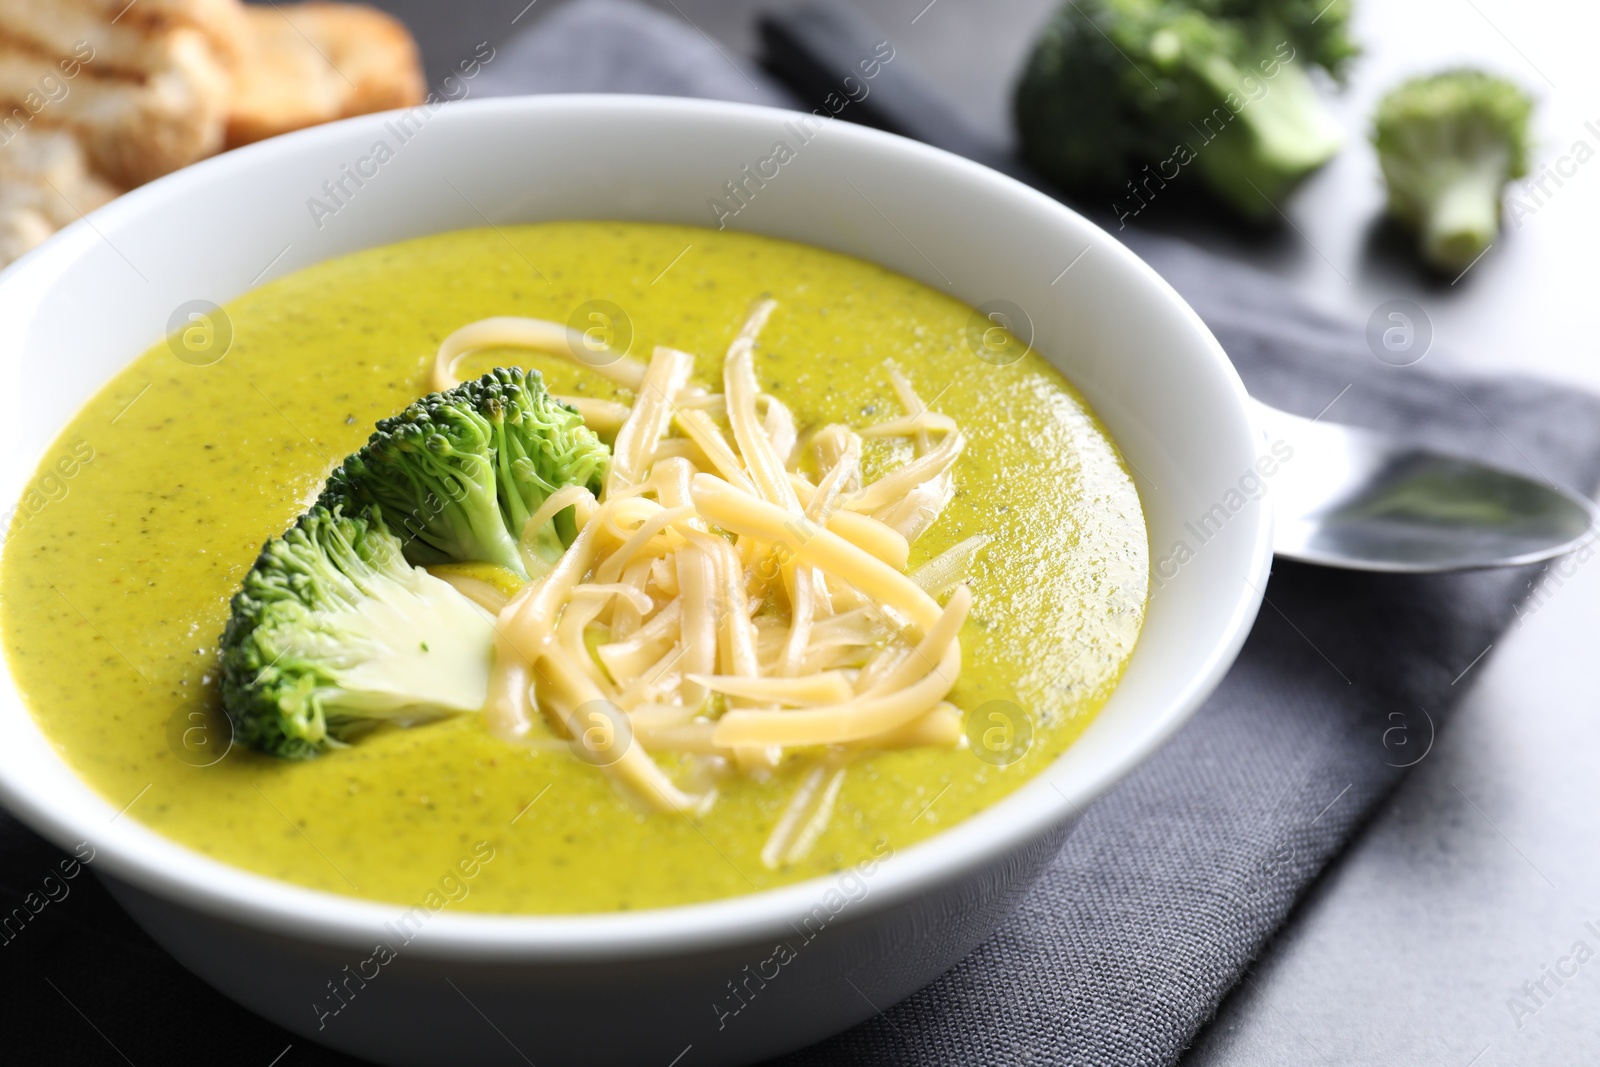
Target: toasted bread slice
{"x": 222, "y": 21}
{"x": 316, "y": 62}
{"x": 191, "y": 12}
{"x": 131, "y": 45}
{"x": 284, "y": 83}
{"x": 132, "y": 130}
{"x": 44, "y": 184}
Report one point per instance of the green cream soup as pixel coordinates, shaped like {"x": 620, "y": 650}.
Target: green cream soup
{"x": 151, "y": 506}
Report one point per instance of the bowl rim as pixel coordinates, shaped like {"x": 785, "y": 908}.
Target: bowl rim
{"x": 145, "y": 859}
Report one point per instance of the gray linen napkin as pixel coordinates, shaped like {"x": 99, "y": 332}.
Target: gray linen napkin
{"x": 1174, "y": 881}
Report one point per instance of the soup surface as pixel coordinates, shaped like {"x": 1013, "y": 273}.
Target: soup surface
{"x": 153, "y": 503}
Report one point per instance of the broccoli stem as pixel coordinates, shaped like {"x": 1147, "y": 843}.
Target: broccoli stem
{"x": 1463, "y": 219}
{"x": 1271, "y": 142}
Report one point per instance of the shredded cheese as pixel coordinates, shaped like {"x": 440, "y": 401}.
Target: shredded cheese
{"x": 720, "y": 604}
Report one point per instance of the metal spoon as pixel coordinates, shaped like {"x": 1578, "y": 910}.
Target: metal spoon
{"x": 1358, "y": 500}
{"x": 1353, "y": 498}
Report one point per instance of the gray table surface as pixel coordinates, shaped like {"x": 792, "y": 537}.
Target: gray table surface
{"x": 1448, "y": 935}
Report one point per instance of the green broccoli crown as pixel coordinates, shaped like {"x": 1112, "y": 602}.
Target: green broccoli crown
{"x": 1455, "y": 115}
{"x": 333, "y": 633}
{"x": 1448, "y": 144}
{"x": 458, "y": 474}
{"x": 1320, "y": 30}
{"x": 1114, "y": 86}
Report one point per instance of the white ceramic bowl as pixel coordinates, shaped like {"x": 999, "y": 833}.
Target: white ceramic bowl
{"x": 641, "y": 987}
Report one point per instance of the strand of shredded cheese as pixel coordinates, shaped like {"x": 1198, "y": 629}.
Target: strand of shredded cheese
{"x": 540, "y": 335}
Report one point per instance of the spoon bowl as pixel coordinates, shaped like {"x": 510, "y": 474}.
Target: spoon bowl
{"x": 1361, "y": 501}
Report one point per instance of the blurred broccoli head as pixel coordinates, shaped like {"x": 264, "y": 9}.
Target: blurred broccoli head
{"x": 1448, "y": 144}
{"x": 333, "y": 632}
{"x": 458, "y": 474}
{"x": 1131, "y": 91}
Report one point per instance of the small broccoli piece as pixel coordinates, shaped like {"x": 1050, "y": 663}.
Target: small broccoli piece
{"x": 1132, "y": 91}
{"x": 334, "y": 633}
{"x": 1448, "y": 144}
{"x": 458, "y": 474}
